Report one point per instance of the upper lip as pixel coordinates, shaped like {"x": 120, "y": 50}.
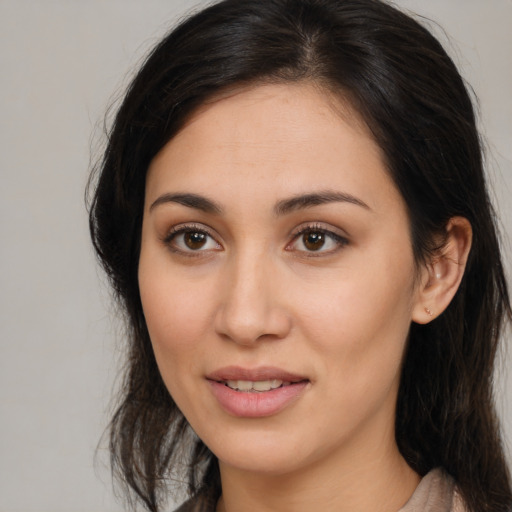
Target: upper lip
{"x": 254, "y": 374}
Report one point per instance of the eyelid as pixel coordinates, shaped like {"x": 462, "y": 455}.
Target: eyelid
{"x": 340, "y": 237}
{"x": 178, "y": 229}
{"x": 185, "y": 226}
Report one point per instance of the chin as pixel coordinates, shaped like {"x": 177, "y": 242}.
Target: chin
{"x": 262, "y": 462}
{"x": 266, "y": 453}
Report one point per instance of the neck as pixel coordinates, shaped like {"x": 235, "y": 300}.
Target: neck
{"x": 373, "y": 478}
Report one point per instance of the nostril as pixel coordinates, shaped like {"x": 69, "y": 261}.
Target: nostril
{"x": 264, "y": 325}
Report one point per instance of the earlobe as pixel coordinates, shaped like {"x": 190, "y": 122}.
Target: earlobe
{"x": 442, "y": 275}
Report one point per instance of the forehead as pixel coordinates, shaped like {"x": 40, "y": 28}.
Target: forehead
{"x": 287, "y": 138}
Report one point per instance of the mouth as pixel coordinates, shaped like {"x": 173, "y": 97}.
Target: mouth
{"x": 257, "y": 386}
{"x": 257, "y": 380}
{"x": 259, "y": 392}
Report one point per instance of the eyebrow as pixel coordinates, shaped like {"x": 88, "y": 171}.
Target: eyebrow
{"x": 304, "y": 201}
{"x": 190, "y": 200}
{"x": 283, "y": 207}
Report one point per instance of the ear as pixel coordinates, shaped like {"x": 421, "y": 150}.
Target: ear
{"x": 441, "y": 276}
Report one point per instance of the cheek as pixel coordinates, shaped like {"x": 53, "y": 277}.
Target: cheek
{"x": 178, "y": 316}
{"x": 357, "y": 308}
{"x": 360, "y": 324}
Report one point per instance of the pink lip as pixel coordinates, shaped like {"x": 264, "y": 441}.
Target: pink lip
{"x": 255, "y": 404}
{"x": 259, "y": 373}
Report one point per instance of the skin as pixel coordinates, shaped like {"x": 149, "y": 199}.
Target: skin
{"x": 255, "y": 295}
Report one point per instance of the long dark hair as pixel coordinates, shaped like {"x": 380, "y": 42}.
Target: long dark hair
{"x": 410, "y": 94}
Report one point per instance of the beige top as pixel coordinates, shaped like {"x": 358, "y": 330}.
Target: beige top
{"x": 436, "y": 492}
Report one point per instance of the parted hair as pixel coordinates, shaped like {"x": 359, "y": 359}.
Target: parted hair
{"x": 402, "y": 83}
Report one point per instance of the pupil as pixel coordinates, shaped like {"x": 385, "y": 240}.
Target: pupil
{"x": 195, "y": 239}
{"x": 314, "y": 240}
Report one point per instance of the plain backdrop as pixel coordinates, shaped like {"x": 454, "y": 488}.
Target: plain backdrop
{"x": 62, "y": 62}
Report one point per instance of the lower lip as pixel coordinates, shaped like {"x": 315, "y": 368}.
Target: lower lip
{"x": 256, "y": 404}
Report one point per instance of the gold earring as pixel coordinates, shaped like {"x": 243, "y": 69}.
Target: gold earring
{"x": 429, "y": 313}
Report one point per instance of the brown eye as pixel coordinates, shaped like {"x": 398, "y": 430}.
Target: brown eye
{"x": 189, "y": 239}
{"x": 313, "y": 240}
{"x": 195, "y": 239}
{"x": 317, "y": 241}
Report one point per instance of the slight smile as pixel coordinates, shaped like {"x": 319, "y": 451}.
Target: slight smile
{"x": 255, "y": 393}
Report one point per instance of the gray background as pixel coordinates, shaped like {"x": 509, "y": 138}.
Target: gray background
{"x": 61, "y": 65}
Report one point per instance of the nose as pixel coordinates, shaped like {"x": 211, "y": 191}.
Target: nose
{"x": 251, "y": 305}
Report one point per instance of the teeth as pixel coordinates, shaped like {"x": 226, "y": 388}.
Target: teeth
{"x": 266, "y": 385}
{"x": 259, "y": 385}
{"x": 244, "y": 385}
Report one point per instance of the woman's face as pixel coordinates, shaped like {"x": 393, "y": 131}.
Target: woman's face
{"x": 277, "y": 279}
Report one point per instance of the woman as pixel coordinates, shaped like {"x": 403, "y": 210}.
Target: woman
{"x": 293, "y": 214}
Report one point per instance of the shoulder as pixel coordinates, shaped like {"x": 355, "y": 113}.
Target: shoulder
{"x": 437, "y": 492}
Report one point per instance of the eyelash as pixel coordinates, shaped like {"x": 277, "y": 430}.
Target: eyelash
{"x": 181, "y": 230}
{"x": 176, "y": 231}
{"x": 338, "y": 239}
